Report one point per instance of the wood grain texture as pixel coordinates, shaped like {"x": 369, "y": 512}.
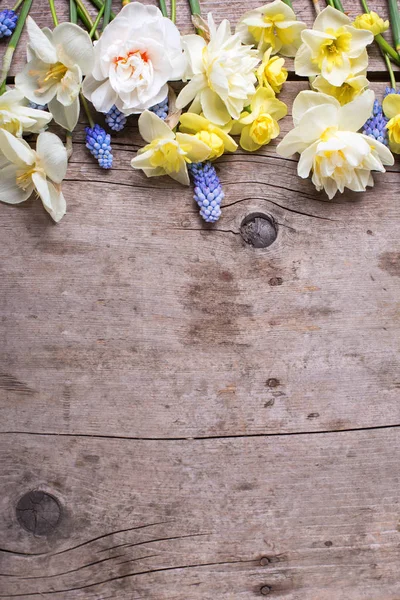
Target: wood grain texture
{"x": 313, "y": 516}
{"x": 221, "y": 9}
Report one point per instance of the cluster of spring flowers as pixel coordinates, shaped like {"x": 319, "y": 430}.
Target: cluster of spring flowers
{"x": 229, "y": 97}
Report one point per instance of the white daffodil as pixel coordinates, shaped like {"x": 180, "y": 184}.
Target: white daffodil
{"x": 333, "y": 48}
{"x": 16, "y": 116}
{"x": 348, "y": 91}
{"x": 272, "y": 26}
{"x": 325, "y": 135}
{"x": 23, "y": 170}
{"x": 137, "y": 54}
{"x": 221, "y": 74}
{"x": 167, "y": 153}
{"x": 53, "y": 75}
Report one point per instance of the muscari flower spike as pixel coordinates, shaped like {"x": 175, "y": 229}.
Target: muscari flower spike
{"x": 115, "y": 119}
{"x": 207, "y": 190}
{"x": 161, "y": 109}
{"x": 38, "y": 106}
{"x": 375, "y": 127}
{"x": 390, "y": 90}
{"x": 8, "y": 22}
{"x": 98, "y": 142}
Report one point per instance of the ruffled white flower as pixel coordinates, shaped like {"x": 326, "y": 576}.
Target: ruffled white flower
{"x": 333, "y": 48}
{"x": 325, "y": 136}
{"x": 53, "y": 75}
{"x": 16, "y": 116}
{"x": 348, "y": 91}
{"x": 23, "y": 171}
{"x": 272, "y": 26}
{"x": 221, "y": 74}
{"x": 137, "y": 54}
{"x": 167, "y": 153}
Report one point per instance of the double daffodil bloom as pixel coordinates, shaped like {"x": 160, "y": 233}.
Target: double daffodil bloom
{"x": 371, "y": 22}
{"x": 216, "y": 138}
{"x": 16, "y": 116}
{"x": 348, "y": 91}
{"x": 391, "y": 108}
{"x": 23, "y": 171}
{"x": 272, "y": 26}
{"x": 260, "y": 126}
{"x": 57, "y": 60}
{"x": 271, "y": 72}
{"x": 325, "y": 135}
{"x": 167, "y": 153}
{"x": 333, "y": 48}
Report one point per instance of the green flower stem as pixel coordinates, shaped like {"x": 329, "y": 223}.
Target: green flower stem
{"x": 85, "y": 17}
{"x": 12, "y": 44}
{"x": 73, "y": 13}
{"x": 96, "y": 23}
{"x": 173, "y": 10}
{"x": 390, "y": 69}
{"x": 98, "y": 4}
{"x": 194, "y": 7}
{"x": 107, "y": 12}
{"x": 382, "y": 43}
{"x": 86, "y": 109}
{"x": 338, "y": 5}
{"x": 395, "y": 22}
{"x": 53, "y": 12}
{"x": 17, "y": 5}
{"x": 330, "y": 2}
{"x": 163, "y": 8}
{"x": 289, "y": 3}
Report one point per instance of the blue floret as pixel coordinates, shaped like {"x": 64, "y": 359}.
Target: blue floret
{"x": 375, "y": 126}
{"x": 8, "y": 22}
{"x": 207, "y": 190}
{"x": 390, "y": 90}
{"x": 98, "y": 142}
{"x": 38, "y": 106}
{"x": 161, "y": 109}
{"x": 115, "y": 119}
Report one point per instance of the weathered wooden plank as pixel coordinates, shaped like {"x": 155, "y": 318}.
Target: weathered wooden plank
{"x": 312, "y": 517}
{"x": 131, "y": 307}
{"x": 222, "y": 9}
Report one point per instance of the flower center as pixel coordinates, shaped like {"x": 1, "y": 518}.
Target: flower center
{"x": 333, "y": 49}
{"x": 263, "y": 128}
{"x": 168, "y": 155}
{"x": 24, "y": 177}
{"x": 328, "y": 133}
{"x": 49, "y": 78}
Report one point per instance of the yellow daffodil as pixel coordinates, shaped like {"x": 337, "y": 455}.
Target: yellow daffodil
{"x": 260, "y": 126}
{"x": 167, "y": 153}
{"x": 371, "y": 22}
{"x": 348, "y": 91}
{"x": 325, "y": 135}
{"x": 272, "y": 26}
{"x": 333, "y": 48}
{"x": 271, "y": 72}
{"x": 391, "y": 108}
{"x": 213, "y": 136}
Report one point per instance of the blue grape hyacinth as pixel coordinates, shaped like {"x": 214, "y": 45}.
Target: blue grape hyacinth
{"x": 207, "y": 190}
{"x": 390, "y": 90}
{"x": 37, "y": 106}
{"x": 115, "y": 119}
{"x": 161, "y": 109}
{"x": 98, "y": 142}
{"x": 8, "y": 22}
{"x": 375, "y": 126}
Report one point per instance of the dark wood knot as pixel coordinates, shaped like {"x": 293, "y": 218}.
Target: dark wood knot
{"x": 38, "y": 512}
{"x": 259, "y": 230}
{"x": 265, "y": 590}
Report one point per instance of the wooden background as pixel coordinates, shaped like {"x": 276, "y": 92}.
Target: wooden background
{"x": 215, "y": 421}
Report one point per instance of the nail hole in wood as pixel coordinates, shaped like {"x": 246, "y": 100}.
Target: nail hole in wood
{"x": 38, "y": 512}
{"x": 264, "y": 561}
{"x": 258, "y": 230}
{"x": 265, "y": 590}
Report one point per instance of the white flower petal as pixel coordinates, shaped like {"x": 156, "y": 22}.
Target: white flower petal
{"x": 330, "y": 18}
{"x": 193, "y": 46}
{"x": 360, "y": 38}
{"x": 40, "y": 43}
{"x": 384, "y": 153}
{"x": 307, "y": 99}
{"x": 182, "y": 176}
{"x": 152, "y": 127}
{"x": 74, "y": 47}
{"x": 336, "y": 75}
{"x": 16, "y": 150}
{"x": 10, "y": 192}
{"x": 306, "y": 161}
{"x": 103, "y": 96}
{"x": 52, "y": 197}
{"x": 214, "y": 108}
{"x": 66, "y": 116}
{"x": 53, "y": 156}
{"x": 191, "y": 89}
{"x": 27, "y": 81}
{"x": 303, "y": 64}
{"x": 352, "y": 116}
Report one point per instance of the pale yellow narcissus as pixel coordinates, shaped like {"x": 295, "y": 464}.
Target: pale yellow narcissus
{"x": 17, "y": 117}
{"x": 213, "y": 136}
{"x": 371, "y": 22}
{"x": 348, "y": 91}
{"x": 271, "y": 72}
{"x": 333, "y": 48}
{"x": 326, "y": 136}
{"x": 391, "y": 108}
{"x": 167, "y": 153}
{"x": 272, "y": 26}
{"x": 260, "y": 126}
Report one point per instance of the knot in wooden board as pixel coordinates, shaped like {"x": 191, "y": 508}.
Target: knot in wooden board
{"x": 265, "y": 590}
{"x": 38, "y": 512}
{"x": 259, "y": 230}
